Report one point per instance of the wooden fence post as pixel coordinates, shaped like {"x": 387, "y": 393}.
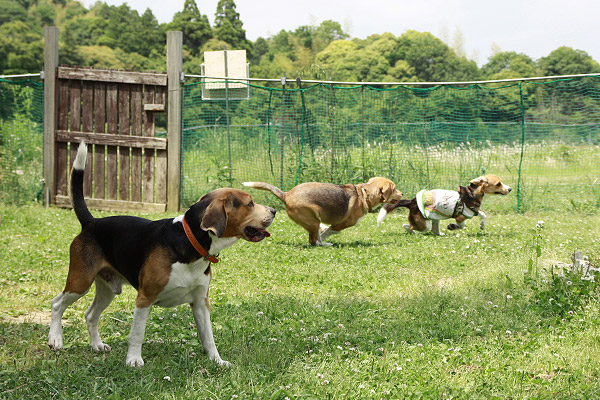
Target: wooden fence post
{"x": 50, "y": 65}
{"x": 174, "y": 71}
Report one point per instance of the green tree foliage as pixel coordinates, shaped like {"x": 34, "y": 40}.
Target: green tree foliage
{"x": 568, "y": 61}
{"x": 508, "y": 64}
{"x": 119, "y": 37}
{"x": 194, "y": 26}
{"x": 11, "y": 11}
{"x": 228, "y": 26}
{"x": 21, "y": 50}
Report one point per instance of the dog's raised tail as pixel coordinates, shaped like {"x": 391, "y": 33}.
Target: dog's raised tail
{"x": 388, "y": 208}
{"x": 267, "y": 186}
{"x": 77, "y": 200}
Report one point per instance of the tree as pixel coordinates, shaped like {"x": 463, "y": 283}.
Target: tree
{"x": 229, "y": 27}
{"x": 11, "y": 11}
{"x": 508, "y": 64}
{"x": 195, "y": 27}
{"x": 20, "y": 49}
{"x": 432, "y": 59}
{"x": 568, "y": 61}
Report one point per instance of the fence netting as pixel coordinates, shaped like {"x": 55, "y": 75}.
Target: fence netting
{"x": 541, "y": 137}
{"x": 21, "y": 141}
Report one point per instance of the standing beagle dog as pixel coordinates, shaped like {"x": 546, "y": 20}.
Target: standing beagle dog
{"x": 311, "y": 204}
{"x": 429, "y": 207}
{"x": 168, "y": 261}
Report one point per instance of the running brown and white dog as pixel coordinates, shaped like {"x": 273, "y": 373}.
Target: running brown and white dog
{"x": 313, "y": 204}
{"x": 168, "y": 261}
{"x": 430, "y": 206}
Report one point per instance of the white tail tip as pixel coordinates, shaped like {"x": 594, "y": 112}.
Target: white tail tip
{"x": 250, "y": 184}
{"x": 79, "y": 163}
{"x": 381, "y": 216}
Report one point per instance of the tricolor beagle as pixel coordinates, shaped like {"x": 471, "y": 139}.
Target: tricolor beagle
{"x": 311, "y": 204}
{"x": 429, "y": 207}
{"x": 168, "y": 261}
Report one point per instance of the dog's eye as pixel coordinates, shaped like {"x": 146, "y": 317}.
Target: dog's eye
{"x": 251, "y": 204}
{"x": 499, "y": 184}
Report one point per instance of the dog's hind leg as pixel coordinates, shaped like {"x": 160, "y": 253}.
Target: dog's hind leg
{"x": 104, "y": 295}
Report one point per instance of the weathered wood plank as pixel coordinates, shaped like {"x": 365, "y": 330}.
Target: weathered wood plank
{"x": 62, "y": 155}
{"x": 75, "y": 106}
{"x": 148, "y": 175}
{"x": 114, "y": 205}
{"x": 141, "y": 78}
{"x": 112, "y": 140}
{"x": 154, "y": 107}
{"x": 136, "y": 153}
{"x": 161, "y": 177}
{"x": 99, "y": 149}
{"x": 148, "y": 189}
{"x": 124, "y": 153}
{"x": 87, "y": 125}
{"x": 112, "y": 114}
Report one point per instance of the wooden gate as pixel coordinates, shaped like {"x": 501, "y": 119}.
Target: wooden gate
{"x": 114, "y": 112}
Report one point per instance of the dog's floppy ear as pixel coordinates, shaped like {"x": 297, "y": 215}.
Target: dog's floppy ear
{"x": 214, "y": 217}
{"x": 481, "y": 181}
{"x": 387, "y": 189}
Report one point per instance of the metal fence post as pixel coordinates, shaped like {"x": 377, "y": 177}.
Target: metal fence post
{"x": 174, "y": 74}
{"x": 50, "y": 65}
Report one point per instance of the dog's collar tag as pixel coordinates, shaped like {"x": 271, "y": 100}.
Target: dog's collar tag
{"x": 194, "y": 242}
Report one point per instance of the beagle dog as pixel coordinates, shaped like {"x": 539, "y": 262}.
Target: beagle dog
{"x": 430, "y": 206}
{"x": 168, "y": 261}
{"x": 341, "y": 206}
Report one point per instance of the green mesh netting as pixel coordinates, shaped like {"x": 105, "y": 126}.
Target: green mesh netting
{"x": 21, "y": 141}
{"x": 541, "y": 138}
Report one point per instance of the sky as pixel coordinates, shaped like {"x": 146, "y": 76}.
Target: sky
{"x": 532, "y": 27}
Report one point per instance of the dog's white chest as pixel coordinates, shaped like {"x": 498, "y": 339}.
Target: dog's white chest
{"x": 187, "y": 283}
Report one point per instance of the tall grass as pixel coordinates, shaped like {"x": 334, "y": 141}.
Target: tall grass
{"x": 551, "y": 175}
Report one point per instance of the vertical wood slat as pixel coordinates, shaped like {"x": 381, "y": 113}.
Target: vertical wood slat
{"x": 62, "y": 156}
{"x": 160, "y": 97}
{"x": 111, "y": 151}
{"x": 149, "y": 153}
{"x": 136, "y": 152}
{"x": 124, "y": 129}
{"x": 99, "y": 150}
{"x": 161, "y": 176}
{"x": 87, "y": 124}
{"x": 75, "y": 120}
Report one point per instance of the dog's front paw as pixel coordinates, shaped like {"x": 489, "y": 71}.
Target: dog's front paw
{"x": 55, "y": 342}
{"x": 222, "y": 363}
{"x": 100, "y": 347}
{"x": 135, "y": 361}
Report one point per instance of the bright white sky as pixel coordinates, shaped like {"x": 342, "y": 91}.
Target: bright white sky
{"x": 533, "y": 27}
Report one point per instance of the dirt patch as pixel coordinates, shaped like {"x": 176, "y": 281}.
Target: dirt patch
{"x": 34, "y": 317}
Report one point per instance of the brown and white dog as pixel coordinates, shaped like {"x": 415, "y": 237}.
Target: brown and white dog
{"x": 168, "y": 261}
{"x": 429, "y": 207}
{"x": 341, "y": 206}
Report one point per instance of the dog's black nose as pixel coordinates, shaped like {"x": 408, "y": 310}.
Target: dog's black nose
{"x": 273, "y": 211}
{"x": 509, "y": 189}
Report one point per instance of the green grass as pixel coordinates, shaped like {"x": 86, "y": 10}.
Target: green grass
{"x": 381, "y": 314}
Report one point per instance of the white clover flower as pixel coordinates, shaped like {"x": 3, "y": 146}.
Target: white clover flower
{"x": 167, "y": 378}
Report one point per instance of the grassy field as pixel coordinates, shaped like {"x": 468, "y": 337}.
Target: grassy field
{"x": 381, "y": 314}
